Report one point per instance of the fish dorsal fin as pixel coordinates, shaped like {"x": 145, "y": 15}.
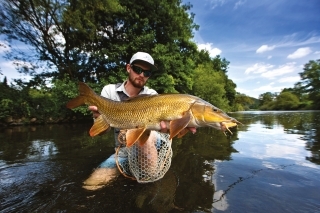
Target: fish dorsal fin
{"x": 176, "y": 126}
{"x": 133, "y": 135}
{"x": 99, "y": 126}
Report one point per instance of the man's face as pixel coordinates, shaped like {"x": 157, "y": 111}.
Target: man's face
{"x": 138, "y": 80}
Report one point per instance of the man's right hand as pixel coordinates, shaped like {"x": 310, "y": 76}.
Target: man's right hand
{"x": 94, "y": 111}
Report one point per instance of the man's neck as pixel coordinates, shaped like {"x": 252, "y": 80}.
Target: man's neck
{"x": 131, "y": 90}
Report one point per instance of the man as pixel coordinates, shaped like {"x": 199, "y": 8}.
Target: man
{"x": 155, "y": 153}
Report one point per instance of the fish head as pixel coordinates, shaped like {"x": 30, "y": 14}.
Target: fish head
{"x": 205, "y": 114}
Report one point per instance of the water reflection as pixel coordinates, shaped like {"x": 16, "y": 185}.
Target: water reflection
{"x": 303, "y": 126}
{"x": 42, "y": 167}
{"x": 194, "y": 162}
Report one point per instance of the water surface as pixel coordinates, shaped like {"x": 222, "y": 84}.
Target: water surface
{"x": 270, "y": 164}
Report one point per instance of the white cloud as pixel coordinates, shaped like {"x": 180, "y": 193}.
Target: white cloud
{"x": 294, "y": 40}
{"x": 317, "y": 52}
{"x": 270, "y": 56}
{"x": 216, "y": 3}
{"x": 299, "y": 53}
{"x": 239, "y": 3}
{"x": 213, "y": 51}
{"x": 269, "y": 87}
{"x": 258, "y": 68}
{"x": 292, "y": 79}
{"x": 265, "y": 48}
{"x": 268, "y": 70}
{"x": 283, "y": 69}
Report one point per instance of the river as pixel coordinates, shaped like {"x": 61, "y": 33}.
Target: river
{"x": 271, "y": 163}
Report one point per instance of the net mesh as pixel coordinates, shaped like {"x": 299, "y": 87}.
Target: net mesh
{"x": 148, "y": 163}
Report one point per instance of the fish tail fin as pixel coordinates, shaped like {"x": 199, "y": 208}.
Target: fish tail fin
{"x": 85, "y": 91}
{"x": 78, "y": 101}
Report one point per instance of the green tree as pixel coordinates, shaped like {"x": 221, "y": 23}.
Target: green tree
{"x": 93, "y": 40}
{"x": 286, "y": 101}
{"x": 303, "y": 97}
{"x": 242, "y": 102}
{"x": 55, "y": 39}
{"x": 310, "y": 82}
{"x": 267, "y": 100}
{"x": 219, "y": 65}
{"x": 210, "y": 86}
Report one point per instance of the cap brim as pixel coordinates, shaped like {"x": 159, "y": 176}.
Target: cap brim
{"x": 153, "y": 67}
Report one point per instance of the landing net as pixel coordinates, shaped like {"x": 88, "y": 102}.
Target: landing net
{"x": 142, "y": 163}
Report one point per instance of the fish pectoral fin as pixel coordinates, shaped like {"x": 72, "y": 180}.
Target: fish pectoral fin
{"x": 182, "y": 133}
{"x": 99, "y": 125}
{"x": 134, "y": 135}
{"x": 144, "y": 137}
{"x": 177, "y": 126}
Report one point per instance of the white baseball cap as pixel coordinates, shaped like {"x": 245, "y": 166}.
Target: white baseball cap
{"x": 142, "y": 56}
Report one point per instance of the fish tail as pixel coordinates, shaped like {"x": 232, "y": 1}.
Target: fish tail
{"x": 85, "y": 91}
{"x": 76, "y": 102}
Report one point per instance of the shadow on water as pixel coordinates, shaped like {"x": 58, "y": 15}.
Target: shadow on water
{"x": 42, "y": 167}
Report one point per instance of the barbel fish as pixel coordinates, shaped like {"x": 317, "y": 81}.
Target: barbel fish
{"x": 145, "y": 112}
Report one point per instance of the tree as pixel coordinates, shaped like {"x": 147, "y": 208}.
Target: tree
{"x": 219, "y": 65}
{"x": 242, "y": 102}
{"x": 54, "y": 37}
{"x": 310, "y": 81}
{"x": 286, "y": 101}
{"x": 267, "y": 100}
{"x": 93, "y": 40}
{"x": 210, "y": 86}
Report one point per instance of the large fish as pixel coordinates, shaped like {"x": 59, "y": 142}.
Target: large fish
{"x": 145, "y": 112}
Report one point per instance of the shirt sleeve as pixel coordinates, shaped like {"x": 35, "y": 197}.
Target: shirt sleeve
{"x": 106, "y": 91}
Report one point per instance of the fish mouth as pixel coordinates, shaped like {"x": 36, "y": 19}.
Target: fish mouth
{"x": 225, "y": 126}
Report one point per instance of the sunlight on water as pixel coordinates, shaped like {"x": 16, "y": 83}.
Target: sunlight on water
{"x": 39, "y": 149}
{"x": 261, "y": 142}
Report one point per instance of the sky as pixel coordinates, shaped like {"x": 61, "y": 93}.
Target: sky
{"x": 267, "y": 42}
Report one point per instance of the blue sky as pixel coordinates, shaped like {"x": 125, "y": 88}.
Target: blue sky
{"x": 267, "y": 42}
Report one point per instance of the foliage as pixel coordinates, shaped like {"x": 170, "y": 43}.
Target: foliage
{"x": 47, "y": 29}
{"x": 266, "y": 100}
{"x": 310, "y": 82}
{"x": 93, "y": 40}
{"x": 286, "y": 101}
{"x": 219, "y": 67}
{"x": 210, "y": 86}
{"x": 243, "y": 102}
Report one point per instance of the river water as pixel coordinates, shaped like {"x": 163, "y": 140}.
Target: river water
{"x": 271, "y": 163}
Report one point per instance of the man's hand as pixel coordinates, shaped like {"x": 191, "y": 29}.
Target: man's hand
{"x": 94, "y": 111}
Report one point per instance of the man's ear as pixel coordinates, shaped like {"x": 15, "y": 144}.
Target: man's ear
{"x": 128, "y": 68}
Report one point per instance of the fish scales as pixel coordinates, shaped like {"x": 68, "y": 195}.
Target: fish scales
{"x": 145, "y": 111}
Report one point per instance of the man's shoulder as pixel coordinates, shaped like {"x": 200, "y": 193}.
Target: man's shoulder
{"x": 110, "y": 91}
{"x": 147, "y": 90}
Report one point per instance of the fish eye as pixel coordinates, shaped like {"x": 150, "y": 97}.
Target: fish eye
{"x": 215, "y": 109}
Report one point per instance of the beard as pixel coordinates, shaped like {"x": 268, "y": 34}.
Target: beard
{"x": 137, "y": 82}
